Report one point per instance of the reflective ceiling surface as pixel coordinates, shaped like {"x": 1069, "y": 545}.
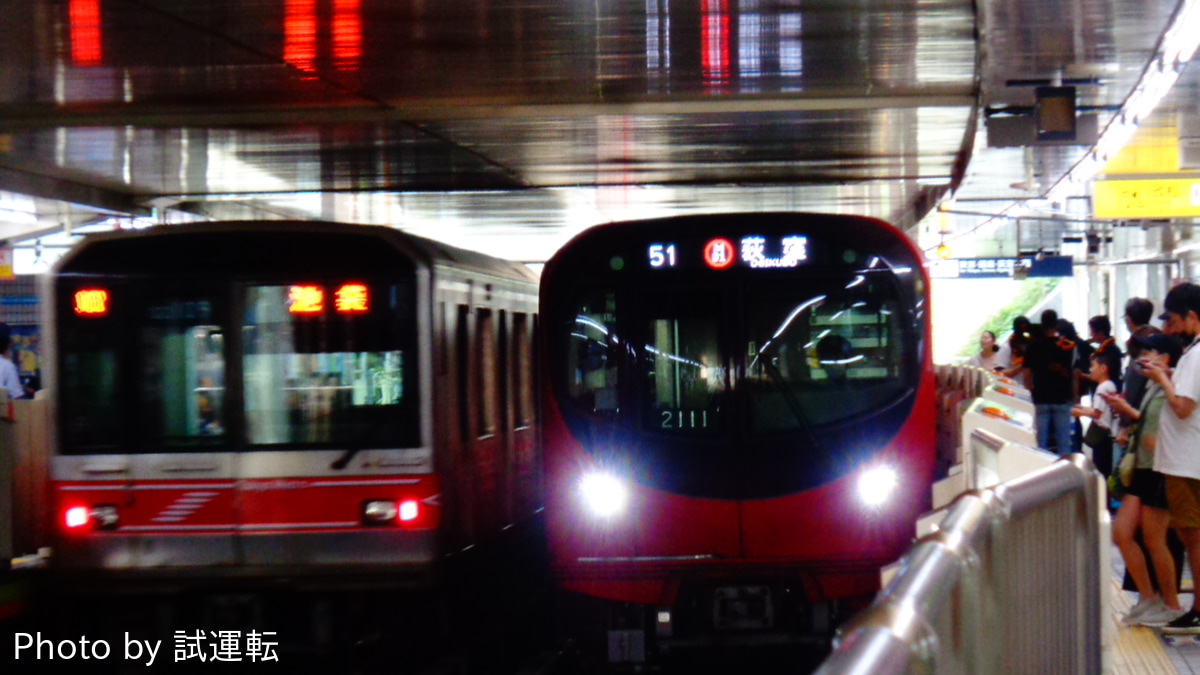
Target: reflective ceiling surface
{"x": 509, "y": 125}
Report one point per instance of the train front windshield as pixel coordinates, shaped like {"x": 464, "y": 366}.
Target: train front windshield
{"x": 696, "y": 374}
{"x": 179, "y": 361}
{"x": 810, "y": 354}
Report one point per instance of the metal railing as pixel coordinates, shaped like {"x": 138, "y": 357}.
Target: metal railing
{"x": 1009, "y": 582}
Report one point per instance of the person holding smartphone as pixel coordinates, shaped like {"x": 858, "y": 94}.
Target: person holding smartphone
{"x": 1144, "y": 504}
{"x": 1178, "y": 452}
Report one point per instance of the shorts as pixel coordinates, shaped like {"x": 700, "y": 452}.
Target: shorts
{"x": 1183, "y": 500}
{"x": 1150, "y": 487}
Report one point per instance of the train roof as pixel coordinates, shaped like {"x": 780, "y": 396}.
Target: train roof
{"x": 426, "y": 252}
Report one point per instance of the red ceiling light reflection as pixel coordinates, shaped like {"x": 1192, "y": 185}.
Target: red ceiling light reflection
{"x": 300, "y": 34}
{"x": 714, "y": 53}
{"x": 347, "y": 34}
{"x": 84, "y": 17}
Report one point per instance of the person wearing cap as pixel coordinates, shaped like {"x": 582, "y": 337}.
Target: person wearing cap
{"x": 1144, "y": 499}
{"x": 1178, "y": 445}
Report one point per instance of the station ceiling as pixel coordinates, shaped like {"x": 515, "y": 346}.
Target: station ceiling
{"x": 510, "y": 125}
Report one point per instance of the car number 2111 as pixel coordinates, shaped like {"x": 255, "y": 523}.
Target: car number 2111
{"x": 684, "y": 419}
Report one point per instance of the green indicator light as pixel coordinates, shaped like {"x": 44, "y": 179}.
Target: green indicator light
{"x": 617, "y": 263}
{"x": 849, "y": 256}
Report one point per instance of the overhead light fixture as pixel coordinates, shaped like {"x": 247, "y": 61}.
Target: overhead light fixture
{"x": 1178, "y": 45}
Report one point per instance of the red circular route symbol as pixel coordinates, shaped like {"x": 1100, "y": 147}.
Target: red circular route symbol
{"x": 719, "y": 254}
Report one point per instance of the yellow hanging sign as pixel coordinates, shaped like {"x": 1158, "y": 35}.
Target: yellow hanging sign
{"x": 1157, "y": 198}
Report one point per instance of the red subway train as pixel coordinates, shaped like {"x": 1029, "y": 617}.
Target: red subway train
{"x": 286, "y": 399}
{"x": 738, "y": 420}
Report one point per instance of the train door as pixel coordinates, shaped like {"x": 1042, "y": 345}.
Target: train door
{"x": 185, "y": 485}
{"x": 480, "y": 460}
{"x": 332, "y": 438}
{"x": 524, "y": 465}
{"x": 485, "y": 445}
{"x": 685, "y": 413}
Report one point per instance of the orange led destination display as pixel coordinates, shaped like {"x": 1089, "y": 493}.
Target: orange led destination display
{"x": 91, "y": 302}
{"x": 351, "y": 299}
{"x": 306, "y": 300}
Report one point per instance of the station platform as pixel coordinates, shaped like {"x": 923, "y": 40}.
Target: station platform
{"x": 1138, "y": 650}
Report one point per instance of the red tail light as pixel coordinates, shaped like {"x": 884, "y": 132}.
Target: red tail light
{"x": 76, "y": 517}
{"x": 409, "y": 510}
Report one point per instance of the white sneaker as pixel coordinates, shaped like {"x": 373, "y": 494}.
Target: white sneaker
{"x": 1151, "y": 603}
{"x": 1157, "y": 616}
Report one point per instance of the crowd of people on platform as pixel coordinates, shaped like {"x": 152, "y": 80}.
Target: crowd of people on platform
{"x": 1143, "y": 431}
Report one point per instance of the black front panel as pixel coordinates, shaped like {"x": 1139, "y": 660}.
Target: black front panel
{"x": 735, "y": 356}
{"x": 237, "y": 340}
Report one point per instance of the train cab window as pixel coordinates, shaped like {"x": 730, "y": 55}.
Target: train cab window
{"x": 91, "y": 417}
{"x": 683, "y": 367}
{"x": 312, "y": 375}
{"x": 182, "y": 373}
{"x": 844, "y": 337}
{"x": 591, "y": 354}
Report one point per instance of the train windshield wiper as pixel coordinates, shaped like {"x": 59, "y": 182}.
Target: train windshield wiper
{"x": 788, "y": 395}
{"x": 341, "y": 462}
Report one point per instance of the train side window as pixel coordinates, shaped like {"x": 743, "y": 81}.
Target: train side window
{"x": 463, "y": 365}
{"x": 591, "y": 354}
{"x": 523, "y": 369}
{"x": 182, "y": 356}
{"x": 485, "y": 339}
{"x": 503, "y": 376}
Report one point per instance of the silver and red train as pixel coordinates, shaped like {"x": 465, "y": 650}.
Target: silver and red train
{"x": 286, "y": 398}
{"x": 739, "y": 418}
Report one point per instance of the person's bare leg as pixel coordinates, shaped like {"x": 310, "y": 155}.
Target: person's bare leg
{"x": 1124, "y": 528}
{"x": 1154, "y": 535}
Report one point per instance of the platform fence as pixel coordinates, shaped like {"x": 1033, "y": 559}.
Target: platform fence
{"x": 1010, "y": 581}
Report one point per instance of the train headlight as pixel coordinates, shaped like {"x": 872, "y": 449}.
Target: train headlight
{"x": 388, "y": 512}
{"x": 100, "y": 517}
{"x": 379, "y": 512}
{"x": 104, "y": 517}
{"x": 876, "y": 485}
{"x": 604, "y": 494}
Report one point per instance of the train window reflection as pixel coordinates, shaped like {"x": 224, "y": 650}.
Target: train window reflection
{"x": 591, "y": 355}
{"x": 685, "y": 379}
{"x": 183, "y": 373}
{"x": 803, "y": 348}
{"x": 91, "y": 418}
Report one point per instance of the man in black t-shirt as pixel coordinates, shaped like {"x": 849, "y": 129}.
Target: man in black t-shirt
{"x": 1050, "y": 360}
